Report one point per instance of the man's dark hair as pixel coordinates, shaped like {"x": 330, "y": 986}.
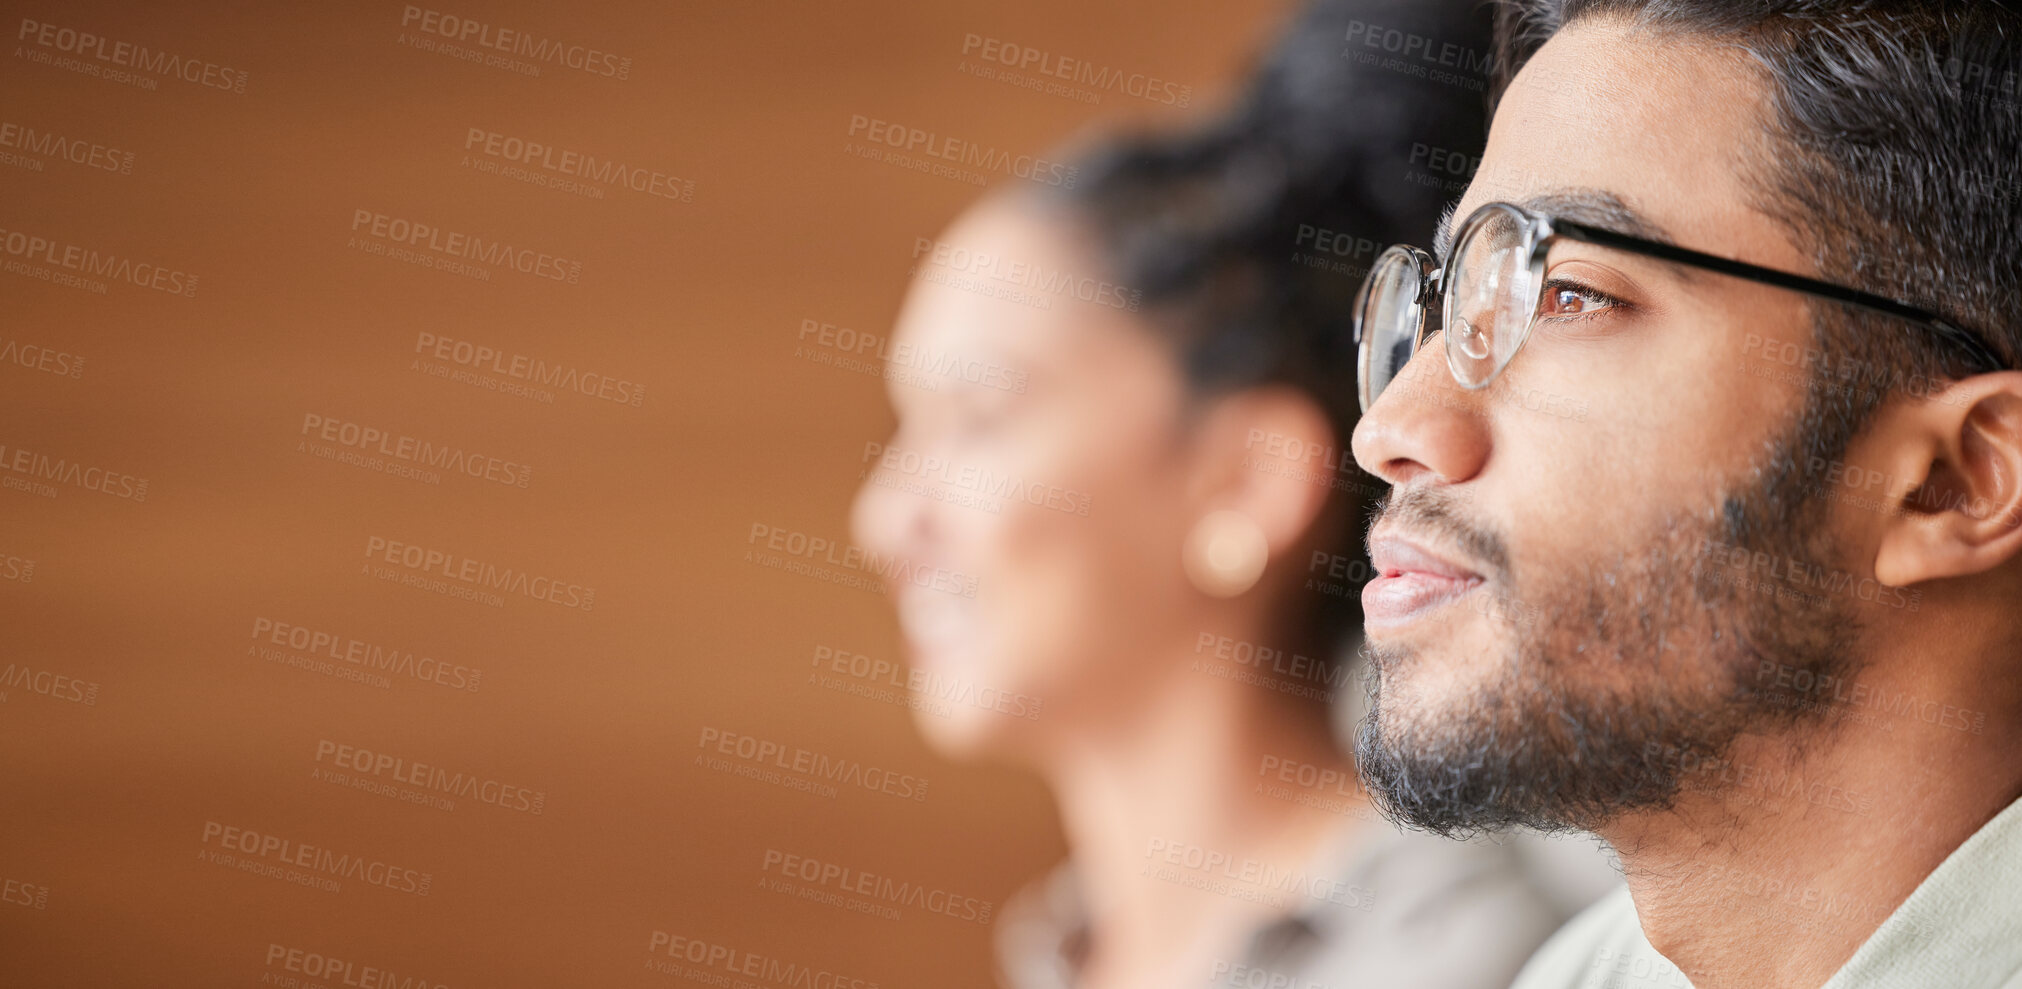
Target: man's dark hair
{"x": 1893, "y": 157}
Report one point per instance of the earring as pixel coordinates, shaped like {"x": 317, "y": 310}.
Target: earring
{"x": 1225, "y": 553}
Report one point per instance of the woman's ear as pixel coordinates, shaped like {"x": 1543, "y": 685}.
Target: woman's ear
{"x": 1961, "y": 512}
{"x": 1271, "y": 455}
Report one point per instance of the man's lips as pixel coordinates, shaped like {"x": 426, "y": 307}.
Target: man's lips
{"x": 1410, "y": 580}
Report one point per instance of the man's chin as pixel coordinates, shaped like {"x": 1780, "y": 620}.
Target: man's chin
{"x": 1434, "y": 671}
{"x": 1452, "y": 793}
{"x": 1460, "y": 743}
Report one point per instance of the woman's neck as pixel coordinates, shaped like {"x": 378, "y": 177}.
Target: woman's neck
{"x": 1147, "y": 801}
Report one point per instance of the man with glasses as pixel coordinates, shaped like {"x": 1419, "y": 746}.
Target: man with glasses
{"x": 1754, "y": 615}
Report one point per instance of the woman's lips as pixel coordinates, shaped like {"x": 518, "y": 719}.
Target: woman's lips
{"x": 1410, "y": 581}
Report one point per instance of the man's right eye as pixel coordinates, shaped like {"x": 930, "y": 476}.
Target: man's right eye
{"x": 1571, "y": 300}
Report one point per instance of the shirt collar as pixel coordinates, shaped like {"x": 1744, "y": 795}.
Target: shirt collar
{"x": 1043, "y": 929}
{"x": 1958, "y": 927}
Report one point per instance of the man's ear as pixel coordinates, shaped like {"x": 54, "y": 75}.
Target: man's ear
{"x": 1960, "y": 512}
{"x": 1270, "y": 454}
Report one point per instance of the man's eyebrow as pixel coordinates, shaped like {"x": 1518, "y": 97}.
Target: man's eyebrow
{"x": 1598, "y": 208}
{"x": 1593, "y": 207}
{"x": 1442, "y": 236}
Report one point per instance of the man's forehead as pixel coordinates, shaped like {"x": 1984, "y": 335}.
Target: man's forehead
{"x": 1640, "y": 132}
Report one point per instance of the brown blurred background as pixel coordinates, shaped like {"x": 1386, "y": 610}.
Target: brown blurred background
{"x": 511, "y": 790}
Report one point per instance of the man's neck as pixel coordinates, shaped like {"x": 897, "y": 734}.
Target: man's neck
{"x": 1796, "y": 853}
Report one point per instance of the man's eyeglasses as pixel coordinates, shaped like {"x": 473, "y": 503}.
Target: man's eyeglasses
{"x": 1489, "y": 291}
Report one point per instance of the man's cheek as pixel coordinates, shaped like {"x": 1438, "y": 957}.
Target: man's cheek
{"x": 1599, "y": 483}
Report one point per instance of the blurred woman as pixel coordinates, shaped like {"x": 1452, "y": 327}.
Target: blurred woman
{"x": 1153, "y": 493}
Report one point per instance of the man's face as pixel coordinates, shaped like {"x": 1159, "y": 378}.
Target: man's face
{"x": 1555, "y": 616}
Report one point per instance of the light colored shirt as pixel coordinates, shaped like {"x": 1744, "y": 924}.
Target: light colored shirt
{"x": 1961, "y": 928}
{"x": 1421, "y": 912}
{"x": 1603, "y": 948}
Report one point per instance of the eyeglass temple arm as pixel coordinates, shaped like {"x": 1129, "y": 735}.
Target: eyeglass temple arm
{"x": 1983, "y": 354}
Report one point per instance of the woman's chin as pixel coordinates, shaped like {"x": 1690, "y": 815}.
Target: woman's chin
{"x": 966, "y": 734}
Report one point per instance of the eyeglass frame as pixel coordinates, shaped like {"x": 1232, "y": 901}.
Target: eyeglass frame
{"x": 1542, "y": 228}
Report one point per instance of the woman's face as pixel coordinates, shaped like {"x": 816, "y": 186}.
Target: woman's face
{"x": 1040, "y": 452}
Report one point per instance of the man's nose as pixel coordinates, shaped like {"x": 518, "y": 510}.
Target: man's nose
{"x": 1424, "y": 423}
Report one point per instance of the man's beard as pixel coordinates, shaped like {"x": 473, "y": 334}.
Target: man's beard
{"x": 1622, "y": 678}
